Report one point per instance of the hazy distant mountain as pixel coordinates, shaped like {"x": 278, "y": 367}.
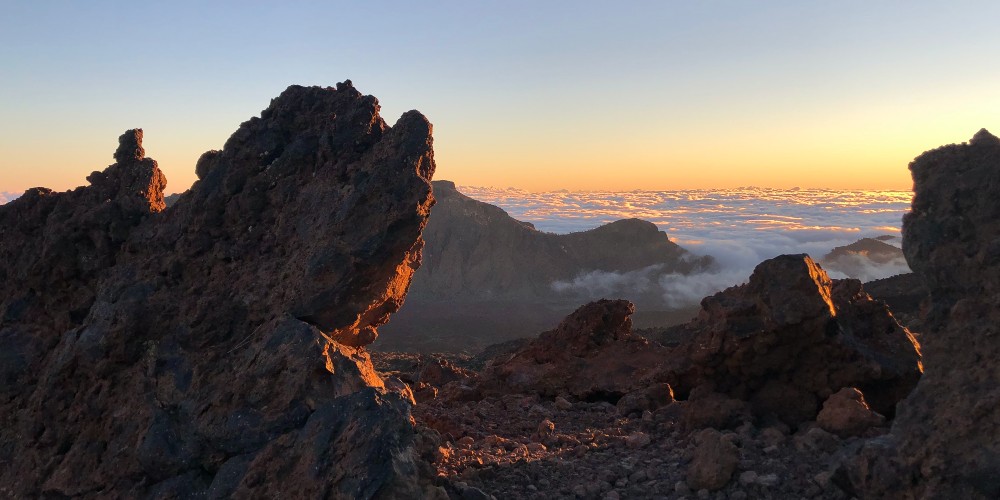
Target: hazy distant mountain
{"x": 867, "y": 259}
{"x": 486, "y": 277}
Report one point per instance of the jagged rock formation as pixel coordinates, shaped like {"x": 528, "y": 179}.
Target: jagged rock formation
{"x": 487, "y": 277}
{"x": 214, "y": 348}
{"x": 592, "y": 354}
{"x": 790, "y": 338}
{"x": 945, "y": 442}
{"x": 904, "y": 294}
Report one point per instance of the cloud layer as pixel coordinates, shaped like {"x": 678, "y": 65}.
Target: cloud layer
{"x": 739, "y": 227}
{"x": 6, "y": 196}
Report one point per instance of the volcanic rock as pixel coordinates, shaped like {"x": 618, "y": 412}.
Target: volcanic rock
{"x": 592, "y": 354}
{"x": 715, "y": 460}
{"x": 905, "y": 295}
{"x": 945, "y": 441}
{"x": 487, "y": 277}
{"x": 214, "y": 348}
{"x": 790, "y": 338}
{"x": 847, "y": 414}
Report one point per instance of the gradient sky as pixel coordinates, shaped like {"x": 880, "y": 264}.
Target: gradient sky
{"x": 536, "y": 95}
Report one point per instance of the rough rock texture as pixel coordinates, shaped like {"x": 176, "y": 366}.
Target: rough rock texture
{"x": 592, "y": 354}
{"x": 790, "y": 338}
{"x": 212, "y": 348}
{"x": 945, "y": 442}
{"x": 487, "y": 277}
{"x": 846, "y": 413}
{"x": 715, "y": 459}
{"x": 905, "y": 295}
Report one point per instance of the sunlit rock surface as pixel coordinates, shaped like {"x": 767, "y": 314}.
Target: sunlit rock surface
{"x": 213, "y": 349}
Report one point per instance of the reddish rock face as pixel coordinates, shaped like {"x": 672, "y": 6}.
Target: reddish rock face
{"x": 790, "y": 338}
{"x": 591, "y": 354}
{"x": 945, "y": 442}
{"x": 213, "y": 348}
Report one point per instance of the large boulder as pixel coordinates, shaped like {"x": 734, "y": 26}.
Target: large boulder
{"x": 592, "y": 354}
{"x": 791, "y": 337}
{"x": 945, "y": 442}
{"x": 215, "y": 348}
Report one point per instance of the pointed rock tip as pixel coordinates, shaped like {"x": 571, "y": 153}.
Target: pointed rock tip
{"x": 130, "y": 146}
{"x": 984, "y": 138}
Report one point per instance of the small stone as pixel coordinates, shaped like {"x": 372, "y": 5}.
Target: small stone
{"x": 767, "y": 480}
{"x": 770, "y": 450}
{"x": 563, "y": 403}
{"x": 637, "y": 440}
{"x": 823, "y": 479}
{"x": 580, "y": 490}
{"x": 681, "y": 488}
{"x": 713, "y": 461}
{"x": 738, "y": 495}
{"x": 772, "y": 436}
{"x": 647, "y": 416}
{"x": 748, "y": 477}
{"x": 536, "y": 448}
{"x": 703, "y": 494}
{"x": 466, "y": 441}
{"x": 546, "y": 427}
{"x": 612, "y": 495}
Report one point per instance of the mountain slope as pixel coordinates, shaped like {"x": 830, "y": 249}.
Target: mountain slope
{"x": 486, "y": 276}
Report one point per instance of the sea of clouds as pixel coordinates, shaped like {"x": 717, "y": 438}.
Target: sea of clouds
{"x": 739, "y": 227}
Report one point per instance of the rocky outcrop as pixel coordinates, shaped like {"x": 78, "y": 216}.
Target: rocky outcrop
{"x": 790, "y": 338}
{"x": 945, "y": 442}
{"x": 904, "y": 294}
{"x": 214, "y": 348}
{"x": 487, "y": 277}
{"x": 591, "y": 355}
{"x": 846, "y": 414}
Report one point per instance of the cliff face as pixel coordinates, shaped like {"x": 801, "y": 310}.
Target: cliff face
{"x": 945, "y": 442}
{"x": 487, "y": 274}
{"x": 214, "y": 348}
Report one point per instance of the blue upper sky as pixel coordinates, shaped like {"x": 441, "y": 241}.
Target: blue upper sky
{"x": 537, "y": 95}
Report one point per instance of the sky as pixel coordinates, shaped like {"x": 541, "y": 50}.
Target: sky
{"x": 536, "y": 95}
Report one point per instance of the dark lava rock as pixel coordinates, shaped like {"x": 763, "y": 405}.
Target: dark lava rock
{"x": 592, "y": 354}
{"x": 904, "y": 294}
{"x": 790, "y": 338}
{"x": 945, "y": 442}
{"x": 214, "y": 348}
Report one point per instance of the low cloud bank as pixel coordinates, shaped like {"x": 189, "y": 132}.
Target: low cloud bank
{"x": 739, "y": 227}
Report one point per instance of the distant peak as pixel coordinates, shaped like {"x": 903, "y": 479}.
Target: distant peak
{"x": 984, "y": 138}
{"x": 444, "y": 185}
{"x": 130, "y": 146}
